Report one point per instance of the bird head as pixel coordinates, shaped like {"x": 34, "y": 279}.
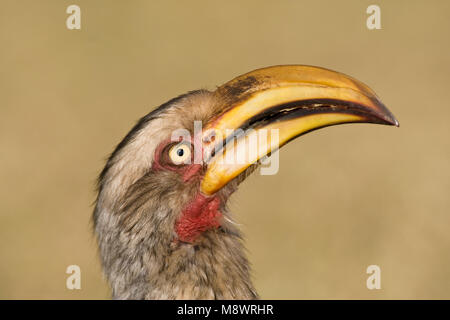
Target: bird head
{"x": 163, "y": 192}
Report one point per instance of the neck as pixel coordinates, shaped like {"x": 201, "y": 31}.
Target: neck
{"x": 143, "y": 266}
{"x": 214, "y": 267}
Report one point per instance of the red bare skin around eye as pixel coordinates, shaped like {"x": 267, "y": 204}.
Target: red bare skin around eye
{"x": 191, "y": 171}
{"x": 199, "y": 215}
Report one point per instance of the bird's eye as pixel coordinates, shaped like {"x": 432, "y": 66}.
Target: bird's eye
{"x": 180, "y": 154}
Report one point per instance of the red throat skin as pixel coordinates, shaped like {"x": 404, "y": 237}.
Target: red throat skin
{"x": 199, "y": 215}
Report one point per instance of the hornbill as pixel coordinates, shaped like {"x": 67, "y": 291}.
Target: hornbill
{"x": 161, "y": 217}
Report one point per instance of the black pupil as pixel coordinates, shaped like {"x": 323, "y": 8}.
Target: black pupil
{"x": 180, "y": 152}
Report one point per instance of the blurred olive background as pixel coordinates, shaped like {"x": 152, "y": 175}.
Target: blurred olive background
{"x": 345, "y": 197}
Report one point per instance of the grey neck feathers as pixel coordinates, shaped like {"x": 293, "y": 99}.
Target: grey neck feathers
{"x": 142, "y": 261}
